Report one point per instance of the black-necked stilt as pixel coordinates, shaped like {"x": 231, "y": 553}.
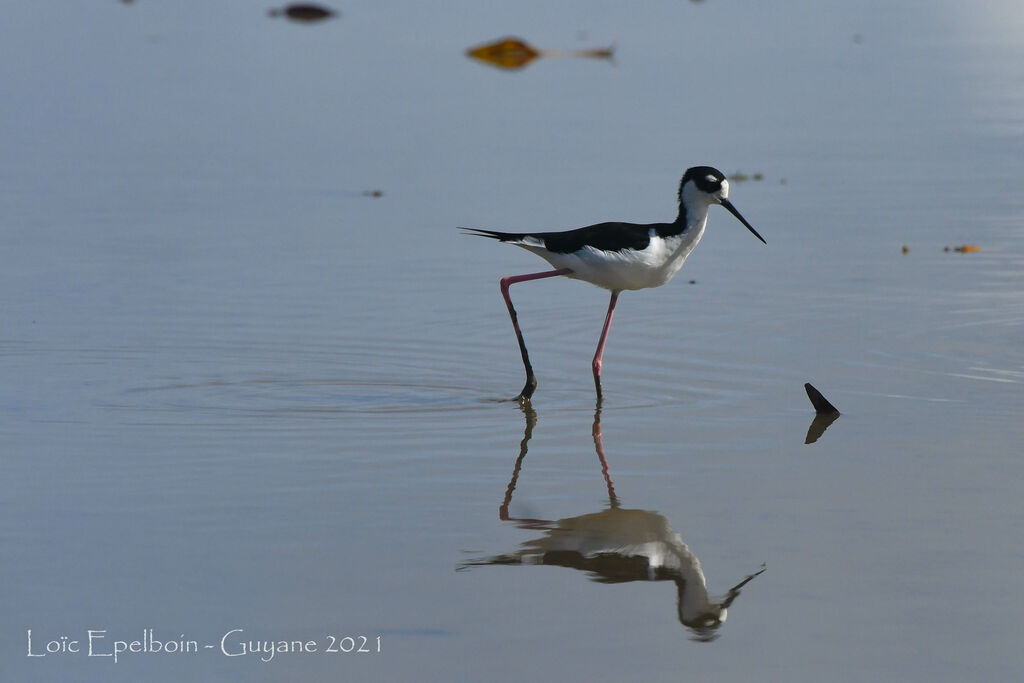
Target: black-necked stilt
{"x": 620, "y": 256}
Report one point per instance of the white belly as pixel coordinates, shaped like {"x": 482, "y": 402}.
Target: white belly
{"x": 628, "y": 269}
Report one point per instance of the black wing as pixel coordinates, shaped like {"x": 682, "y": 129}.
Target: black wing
{"x": 603, "y": 236}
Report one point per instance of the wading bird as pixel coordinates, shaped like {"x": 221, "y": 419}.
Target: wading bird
{"x": 619, "y": 256}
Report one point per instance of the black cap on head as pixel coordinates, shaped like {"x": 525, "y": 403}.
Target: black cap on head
{"x": 706, "y": 178}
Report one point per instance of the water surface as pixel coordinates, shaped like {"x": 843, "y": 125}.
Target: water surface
{"x": 238, "y": 392}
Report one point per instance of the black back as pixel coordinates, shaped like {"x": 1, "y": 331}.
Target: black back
{"x": 615, "y": 236}
{"x": 603, "y": 236}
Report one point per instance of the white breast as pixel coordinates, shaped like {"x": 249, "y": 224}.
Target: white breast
{"x": 628, "y": 269}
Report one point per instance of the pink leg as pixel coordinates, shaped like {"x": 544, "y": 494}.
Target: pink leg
{"x": 599, "y": 446}
{"x": 600, "y": 344}
{"x": 531, "y": 421}
{"x": 506, "y": 282}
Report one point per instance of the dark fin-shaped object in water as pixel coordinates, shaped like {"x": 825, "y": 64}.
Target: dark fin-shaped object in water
{"x": 826, "y": 414}
{"x": 820, "y": 403}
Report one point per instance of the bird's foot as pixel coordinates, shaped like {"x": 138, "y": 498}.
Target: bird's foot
{"x": 528, "y": 389}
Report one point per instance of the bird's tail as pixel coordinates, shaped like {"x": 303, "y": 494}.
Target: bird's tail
{"x": 494, "y": 234}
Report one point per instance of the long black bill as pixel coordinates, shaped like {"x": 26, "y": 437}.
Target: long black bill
{"x": 732, "y": 209}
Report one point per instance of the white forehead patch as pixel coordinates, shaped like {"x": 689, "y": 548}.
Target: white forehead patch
{"x": 710, "y": 178}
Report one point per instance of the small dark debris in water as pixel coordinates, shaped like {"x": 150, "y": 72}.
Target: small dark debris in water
{"x": 373, "y": 193}
{"x": 820, "y": 403}
{"x": 741, "y": 177}
{"x": 303, "y": 12}
{"x": 858, "y": 38}
{"x": 906, "y": 249}
{"x": 693, "y": 282}
{"x": 964, "y": 248}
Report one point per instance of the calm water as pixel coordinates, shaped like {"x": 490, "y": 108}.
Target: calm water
{"x": 236, "y": 392}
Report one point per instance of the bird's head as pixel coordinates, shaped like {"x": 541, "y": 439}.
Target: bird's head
{"x": 704, "y": 185}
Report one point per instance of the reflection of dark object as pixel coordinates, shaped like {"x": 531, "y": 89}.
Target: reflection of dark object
{"x": 303, "y": 12}
{"x": 826, "y": 414}
{"x": 513, "y": 53}
{"x": 818, "y": 426}
{"x": 617, "y": 545}
{"x": 619, "y": 256}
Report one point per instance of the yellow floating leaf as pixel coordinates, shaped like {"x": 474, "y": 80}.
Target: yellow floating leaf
{"x": 507, "y": 53}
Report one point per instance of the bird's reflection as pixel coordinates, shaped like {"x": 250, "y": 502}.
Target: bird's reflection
{"x": 514, "y": 53}
{"x": 617, "y": 545}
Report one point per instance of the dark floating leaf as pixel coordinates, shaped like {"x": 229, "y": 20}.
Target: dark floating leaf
{"x": 303, "y": 12}
{"x": 820, "y": 403}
